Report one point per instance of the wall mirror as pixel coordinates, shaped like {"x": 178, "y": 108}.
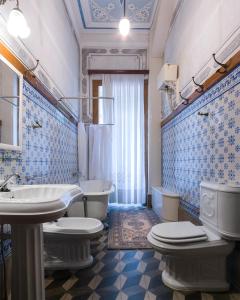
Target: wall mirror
{"x": 11, "y": 83}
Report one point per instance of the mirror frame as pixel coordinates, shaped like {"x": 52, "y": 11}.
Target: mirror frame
{"x": 20, "y": 91}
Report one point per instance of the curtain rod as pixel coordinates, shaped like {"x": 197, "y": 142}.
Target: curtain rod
{"x": 93, "y": 72}
{"x": 86, "y": 98}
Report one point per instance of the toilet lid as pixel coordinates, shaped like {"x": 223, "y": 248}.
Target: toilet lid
{"x": 178, "y": 232}
{"x": 179, "y": 241}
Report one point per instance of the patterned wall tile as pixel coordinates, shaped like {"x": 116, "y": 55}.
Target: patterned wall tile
{"x": 204, "y": 148}
{"x": 49, "y": 154}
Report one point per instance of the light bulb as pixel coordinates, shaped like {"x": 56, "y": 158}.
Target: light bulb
{"x": 124, "y": 26}
{"x": 25, "y": 32}
{"x": 17, "y": 24}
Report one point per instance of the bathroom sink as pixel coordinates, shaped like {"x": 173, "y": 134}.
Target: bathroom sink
{"x": 36, "y": 203}
{"x": 25, "y": 208}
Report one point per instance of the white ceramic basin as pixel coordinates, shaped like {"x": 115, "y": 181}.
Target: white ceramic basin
{"x": 25, "y": 208}
{"x": 36, "y": 203}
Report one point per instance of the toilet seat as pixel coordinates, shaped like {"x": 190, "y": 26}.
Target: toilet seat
{"x": 178, "y": 232}
{"x": 189, "y": 246}
{"x": 179, "y": 241}
{"x": 74, "y": 225}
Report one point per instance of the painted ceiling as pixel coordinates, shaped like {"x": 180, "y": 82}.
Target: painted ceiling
{"x": 105, "y": 14}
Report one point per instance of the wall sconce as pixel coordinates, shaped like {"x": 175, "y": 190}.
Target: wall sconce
{"x": 17, "y": 25}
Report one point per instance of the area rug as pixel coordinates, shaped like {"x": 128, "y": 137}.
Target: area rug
{"x": 128, "y": 227}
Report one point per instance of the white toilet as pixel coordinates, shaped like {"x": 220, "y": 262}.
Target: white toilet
{"x": 196, "y": 255}
{"x": 67, "y": 242}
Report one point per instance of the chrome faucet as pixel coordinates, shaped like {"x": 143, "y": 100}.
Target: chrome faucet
{"x": 3, "y": 186}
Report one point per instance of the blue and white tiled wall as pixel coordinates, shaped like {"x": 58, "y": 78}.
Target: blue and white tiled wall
{"x": 197, "y": 148}
{"x": 49, "y": 154}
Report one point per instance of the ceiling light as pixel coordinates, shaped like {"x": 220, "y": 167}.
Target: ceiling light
{"x": 124, "y": 24}
{"x": 17, "y": 24}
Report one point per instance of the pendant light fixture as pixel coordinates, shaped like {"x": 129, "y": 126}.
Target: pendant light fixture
{"x": 124, "y": 24}
{"x": 17, "y": 24}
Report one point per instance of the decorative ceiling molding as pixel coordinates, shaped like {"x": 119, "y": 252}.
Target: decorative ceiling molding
{"x": 105, "y": 14}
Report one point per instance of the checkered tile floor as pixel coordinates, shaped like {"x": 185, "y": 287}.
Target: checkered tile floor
{"x": 124, "y": 274}
{"x": 120, "y": 275}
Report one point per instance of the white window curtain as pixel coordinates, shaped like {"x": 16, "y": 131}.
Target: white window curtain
{"x": 128, "y": 164}
{"x": 105, "y": 106}
{"x": 117, "y": 152}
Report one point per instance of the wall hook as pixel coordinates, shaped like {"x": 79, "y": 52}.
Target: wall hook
{"x": 186, "y": 100}
{"x": 224, "y": 66}
{"x": 200, "y": 86}
{"x": 36, "y": 125}
{"x": 206, "y": 114}
{"x": 33, "y": 69}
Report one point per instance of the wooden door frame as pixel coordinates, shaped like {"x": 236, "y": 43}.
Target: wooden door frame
{"x": 95, "y": 85}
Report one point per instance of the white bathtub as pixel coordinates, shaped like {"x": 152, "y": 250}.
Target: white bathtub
{"x": 97, "y": 193}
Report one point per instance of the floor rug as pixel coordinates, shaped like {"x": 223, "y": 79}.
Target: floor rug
{"x": 128, "y": 227}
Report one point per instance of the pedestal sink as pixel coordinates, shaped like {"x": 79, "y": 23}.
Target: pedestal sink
{"x": 26, "y": 208}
